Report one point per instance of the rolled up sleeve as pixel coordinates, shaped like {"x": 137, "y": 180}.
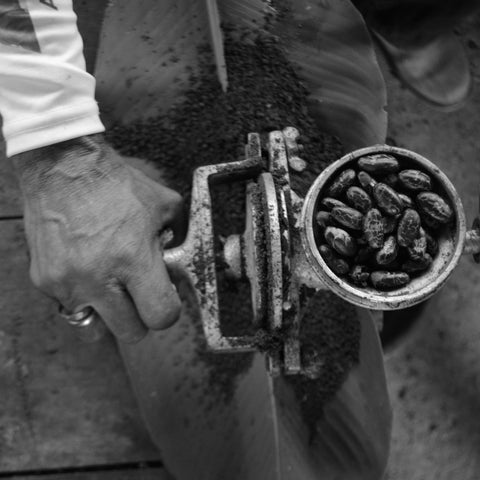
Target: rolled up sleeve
{"x": 46, "y": 95}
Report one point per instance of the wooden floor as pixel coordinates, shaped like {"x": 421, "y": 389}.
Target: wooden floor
{"x": 63, "y": 404}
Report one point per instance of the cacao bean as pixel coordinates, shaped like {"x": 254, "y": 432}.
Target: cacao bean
{"x": 432, "y": 245}
{"x": 359, "y": 199}
{"x": 384, "y": 280}
{"x": 348, "y": 217}
{"x": 323, "y": 219}
{"x": 341, "y": 241}
{"x": 391, "y": 180}
{"x": 418, "y": 265}
{"x": 373, "y": 228}
{"x": 407, "y": 201}
{"x": 329, "y": 203}
{"x": 408, "y": 227}
{"x": 387, "y": 199}
{"x": 341, "y": 183}
{"x": 379, "y": 163}
{"x": 388, "y": 253}
{"x": 336, "y": 264}
{"x": 434, "y": 207}
{"x": 418, "y": 248}
{"x": 415, "y": 180}
{"x": 366, "y": 181}
{"x": 430, "y": 222}
{"x": 359, "y": 275}
{"x": 389, "y": 224}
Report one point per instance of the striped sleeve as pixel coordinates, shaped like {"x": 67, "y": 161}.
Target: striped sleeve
{"x": 46, "y": 95}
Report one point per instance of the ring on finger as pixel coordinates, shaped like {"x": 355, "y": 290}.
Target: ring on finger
{"x": 87, "y": 323}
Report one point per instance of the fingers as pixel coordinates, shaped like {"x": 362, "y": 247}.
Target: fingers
{"x": 155, "y": 296}
{"x": 173, "y": 214}
{"x": 120, "y": 314}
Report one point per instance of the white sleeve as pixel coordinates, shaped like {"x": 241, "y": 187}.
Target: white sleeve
{"x": 46, "y": 95}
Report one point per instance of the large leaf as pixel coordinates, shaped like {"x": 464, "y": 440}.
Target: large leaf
{"x": 217, "y": 43}
{"x": 148, "y": 52}
{"x": 259, "y": 433}
{"x": 328, "y": 42}
{"x": 353, "y": 436}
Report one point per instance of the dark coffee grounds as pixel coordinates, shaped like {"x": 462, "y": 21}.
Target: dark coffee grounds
{"x": 209, "y": 127}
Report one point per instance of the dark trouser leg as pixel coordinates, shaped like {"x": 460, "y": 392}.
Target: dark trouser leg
{"x": 414, "y": 23}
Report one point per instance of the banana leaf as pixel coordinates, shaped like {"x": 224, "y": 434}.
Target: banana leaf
{"x": 258, "y": 431}
{"x": 328, "y": 43}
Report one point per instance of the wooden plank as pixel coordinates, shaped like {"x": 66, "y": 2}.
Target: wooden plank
{"x": 10, "y": 195}
{"x": 127, "y": 474}
{"x": 62, "y": 403}
{"x": 89, "y": 20}
{"x": 147, "y": 54}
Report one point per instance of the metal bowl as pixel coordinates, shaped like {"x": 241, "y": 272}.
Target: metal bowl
{"x": 451, "y": 241}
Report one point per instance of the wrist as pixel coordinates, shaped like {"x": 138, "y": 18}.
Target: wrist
{"x": 72, "y": 161}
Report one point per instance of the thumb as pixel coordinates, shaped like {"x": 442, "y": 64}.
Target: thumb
{"x": 154, "y": 295}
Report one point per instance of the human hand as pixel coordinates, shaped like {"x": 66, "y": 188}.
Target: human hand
{"x": 93, "y": 227}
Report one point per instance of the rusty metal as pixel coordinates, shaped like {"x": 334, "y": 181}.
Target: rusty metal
{"x": 195, "y": 258}
{"x": 277, "y": 252}
{"x": 291, "y": 258}
{"x": 262, "y": 254}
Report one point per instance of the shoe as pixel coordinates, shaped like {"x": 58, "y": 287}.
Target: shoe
{"x": 437, "y": 72}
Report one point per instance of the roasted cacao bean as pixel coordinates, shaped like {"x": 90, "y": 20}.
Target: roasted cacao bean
{"x": 359, "y": 199}
{"x": 359, "y": 275}
{"x": 389, "y": 224}
{"x": 348, "y": 217}
{"x": 408, "y": 227}
{"x": 387, "y": 199}
{"x": 432, "y": 245}
{"x": 341, "y": 183}
{"x": 430, "y": 222}
{"x": 388, "y": 253}
{"x": 384, "y": 280}
{"x": 407, "y": 201}
{"x": 328, "y": 203}
{"x": 379, "y": 163}
{"x": 391, "y": 180}
{"x": 341, "y": 241}
{"x": 336, "y": 264}
{"x": 434, "y": 207}
{"x": 418, "y": 248}
{"x": 373, "y": 228}
{"x": 324, "y": 219}
{"x": 415, "y": 180}
{"x": 366, "y": 181}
